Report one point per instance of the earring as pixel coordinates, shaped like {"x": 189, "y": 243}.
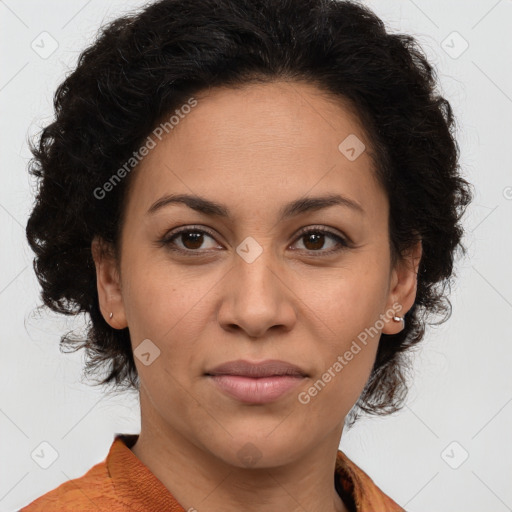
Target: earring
{"x": 111, "y": 315}
{"x": 399, "y": 319}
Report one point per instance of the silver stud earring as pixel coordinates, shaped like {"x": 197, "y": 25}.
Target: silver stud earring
{"x": 399, "y": 319}
{"x": 111, "y": 314}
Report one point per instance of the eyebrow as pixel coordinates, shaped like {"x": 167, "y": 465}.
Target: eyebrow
{"x": 297, "y": 207}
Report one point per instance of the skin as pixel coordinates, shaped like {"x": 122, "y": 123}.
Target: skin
{"x": 253, "y": 149}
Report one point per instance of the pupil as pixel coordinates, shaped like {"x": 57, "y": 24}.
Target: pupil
{"x": 193, "y": 237}
{"x": 319, "y": 241}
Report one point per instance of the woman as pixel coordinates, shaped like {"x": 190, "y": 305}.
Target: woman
{"x": 258, "y": 204}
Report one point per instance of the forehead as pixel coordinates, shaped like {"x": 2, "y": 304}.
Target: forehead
{"x": 259, "y": 141}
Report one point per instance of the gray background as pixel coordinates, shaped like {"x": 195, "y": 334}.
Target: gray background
{"x": 460, "y": 402}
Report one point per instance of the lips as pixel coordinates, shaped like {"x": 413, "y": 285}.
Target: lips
{"x": 256, "y": 383}
{"x": 269, "y": 368}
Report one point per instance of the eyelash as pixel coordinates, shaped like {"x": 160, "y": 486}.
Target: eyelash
{"x": 169, "y": 239}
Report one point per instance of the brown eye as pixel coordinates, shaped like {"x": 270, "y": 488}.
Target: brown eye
{"x": 192, "y": 239}
{"x": 314, "y": 240}
{"x": 189, "y": 240}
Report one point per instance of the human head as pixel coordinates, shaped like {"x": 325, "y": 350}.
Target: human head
{"x": 135, "y": 76}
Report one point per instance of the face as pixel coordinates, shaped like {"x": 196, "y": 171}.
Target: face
{"x": 256, "y": 280}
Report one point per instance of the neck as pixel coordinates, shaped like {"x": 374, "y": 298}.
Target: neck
{"x": 200, "y": 481}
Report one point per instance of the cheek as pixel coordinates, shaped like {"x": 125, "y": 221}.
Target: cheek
{"x": 344, "y": 302}
{"x": 344, "y": 307}
{"x": 170, "y": 306}
{"x": 346, "y": 347}
{"x": 162, "y": 299}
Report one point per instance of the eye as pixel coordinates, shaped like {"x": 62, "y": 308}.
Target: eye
{"x": 191, "y": 240}
{"x": 314, "y": 239}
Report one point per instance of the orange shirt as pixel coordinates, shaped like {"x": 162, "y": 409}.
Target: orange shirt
{"x": 122, "y": 483}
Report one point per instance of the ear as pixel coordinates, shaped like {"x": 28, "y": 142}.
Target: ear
{"x": 403, "y": 287}
{"x": 108, "y": 283}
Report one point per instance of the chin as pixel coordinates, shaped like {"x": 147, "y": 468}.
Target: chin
{"x": 248, "y": 450}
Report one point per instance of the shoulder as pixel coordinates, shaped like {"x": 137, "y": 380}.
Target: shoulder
{"x": 92, "y": 491}
{"x": 360, "y": 491}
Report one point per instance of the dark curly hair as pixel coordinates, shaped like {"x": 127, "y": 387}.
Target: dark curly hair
{"x": 144, "y": 65}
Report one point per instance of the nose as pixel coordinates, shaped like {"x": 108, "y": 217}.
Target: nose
{"x": 256, "y": 297}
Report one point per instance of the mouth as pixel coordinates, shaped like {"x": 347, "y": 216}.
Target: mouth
{"x": 269, "y": 368}
{"x": 256, "y": 383}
